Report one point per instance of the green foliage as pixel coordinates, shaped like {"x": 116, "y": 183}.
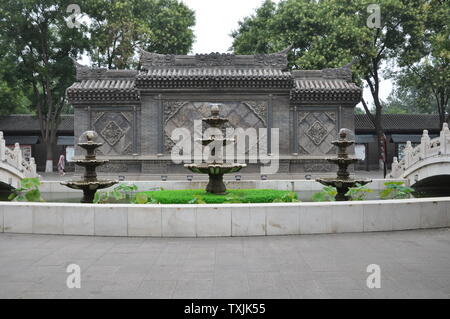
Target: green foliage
{"x": 332, "y": 33}
{"x": 289, "y": 197}
{"x": 197, "y": 200}
{"x": 121, "y": 193}
{"x": 327, "y": 194}
{"x": 395, "y": 190}
{"x": 28, "y": 191}
{"x": 119, "y": 27}
{"x": 233, "y": 196}
{"x": 359, "y": 192}
{"x": 40, "y": 45}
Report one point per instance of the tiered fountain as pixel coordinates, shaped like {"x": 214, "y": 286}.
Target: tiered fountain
{"x": 343, "y": 181}
{"x": 214, "y": 165}
{"x": 90, "y": 184}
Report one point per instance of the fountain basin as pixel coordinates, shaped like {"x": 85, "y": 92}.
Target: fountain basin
{"x": 224, "y": 220}
{"x": 214, "y": 169}
{"x": 89, "y": 188}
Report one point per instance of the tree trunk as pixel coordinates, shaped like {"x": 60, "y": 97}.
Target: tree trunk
{"x": 49, "y": 157}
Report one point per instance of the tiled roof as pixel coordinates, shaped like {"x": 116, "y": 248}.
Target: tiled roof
{"x": 213, "y": 77}
{"x": 400, "y": 122}
{"x": 277, "y": 60}
{"x": 325, "y": 85}
{"x": 30, "y": 123}
{"x": 103, "y": 89}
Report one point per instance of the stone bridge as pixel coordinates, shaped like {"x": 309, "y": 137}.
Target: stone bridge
{"x": 13, "y": 167}
{"x": 428, "y": 164}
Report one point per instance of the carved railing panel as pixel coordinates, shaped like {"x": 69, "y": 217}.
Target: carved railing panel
{"x": 14, "y": 159}
{"x": 439, "y": 146}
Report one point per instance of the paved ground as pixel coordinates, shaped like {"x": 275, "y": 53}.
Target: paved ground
{"x": 413, "y": 264}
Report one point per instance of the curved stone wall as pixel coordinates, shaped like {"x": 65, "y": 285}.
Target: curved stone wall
{"x": 224, "y": 220}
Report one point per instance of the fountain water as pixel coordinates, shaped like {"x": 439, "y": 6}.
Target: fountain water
{"x": 90, "y": 184}
{"x": 343, "y": 181}
{"x": 214, "y": 166}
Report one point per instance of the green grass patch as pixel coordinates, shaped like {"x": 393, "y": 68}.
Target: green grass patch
{"x": 198, "y": 196}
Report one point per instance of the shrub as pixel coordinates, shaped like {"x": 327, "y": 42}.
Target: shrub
{"x": 395, "y": 190}
{"x": 327, "y": 194}
{"x": 196, "y": 196}
{"x": 359, "y": 192}
{"x": 122, "y": 192}
{"x": 28, "y": 191}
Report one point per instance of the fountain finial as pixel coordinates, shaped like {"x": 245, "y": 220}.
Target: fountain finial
{"x": 343, "y": 133}
{"x": 90, "y": 136}
{"x": 215, "y": 109}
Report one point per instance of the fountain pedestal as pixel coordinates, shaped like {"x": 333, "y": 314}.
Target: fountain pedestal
{"x": 90, "y": 184}
{"x": 342, "y": 182}
{"x": 214, "y": 169}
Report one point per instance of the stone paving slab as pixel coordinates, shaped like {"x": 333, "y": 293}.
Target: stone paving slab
{"x": 414, "y": 264}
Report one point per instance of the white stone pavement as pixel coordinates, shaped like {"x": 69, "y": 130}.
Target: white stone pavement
{"x": 414, "y": 264}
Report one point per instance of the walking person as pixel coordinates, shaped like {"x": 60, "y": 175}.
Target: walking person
{"x": 61, "y": 165}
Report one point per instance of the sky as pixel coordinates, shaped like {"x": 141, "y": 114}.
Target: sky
{"x": 216, "y": 19}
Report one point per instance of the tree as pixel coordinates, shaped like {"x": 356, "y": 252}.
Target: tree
{"x": 42, "y": 44}
{"x": 331, "y": 33}
{"x": 119, "y": 27}
{"x": 254, "y": 34}
{"x": 428, "y": 80}
{"x": 12, "y": 100}
{"x": 404, "y": 100}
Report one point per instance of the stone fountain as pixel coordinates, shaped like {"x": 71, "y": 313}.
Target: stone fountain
{"x": 214, "y": 166}
{"x": 90, "y": 184}
{"x": 343, "y": 181}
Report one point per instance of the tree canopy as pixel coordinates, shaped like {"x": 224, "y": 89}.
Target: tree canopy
{"x": 118, "y": 27}
{"x": 332, "y": 33}
{"x": 38, "y": 45}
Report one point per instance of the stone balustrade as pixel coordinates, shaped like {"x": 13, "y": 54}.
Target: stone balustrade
{"x": 437, "y": 147}
{"x": 13, "y": 161}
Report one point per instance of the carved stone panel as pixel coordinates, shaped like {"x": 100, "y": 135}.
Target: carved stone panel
{"x": 316, "y": 132}
{"x": 115, "y": 130}
{"x": 178, "y": 114}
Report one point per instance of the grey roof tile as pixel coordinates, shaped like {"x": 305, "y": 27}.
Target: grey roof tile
{"x": 400, "y": 122}
{"x": 25, "y": 122}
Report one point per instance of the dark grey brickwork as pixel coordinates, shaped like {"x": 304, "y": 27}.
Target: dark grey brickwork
{"x": 143, "y": 107}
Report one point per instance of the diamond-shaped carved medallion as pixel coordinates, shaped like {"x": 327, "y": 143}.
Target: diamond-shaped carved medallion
{"x": 317, "y": 132}
{"x": 112, "y": 133}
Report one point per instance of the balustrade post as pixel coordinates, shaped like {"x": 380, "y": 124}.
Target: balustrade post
{"x": 444, "y": 139}
{"x": 394, "y": 167}
{"x": 18, "y": 156}
{"x": 424, "y": 144}
{"x": 33, "y": 167}
{"x": 408, "y": 154}
{"x": 2, "y": 148}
